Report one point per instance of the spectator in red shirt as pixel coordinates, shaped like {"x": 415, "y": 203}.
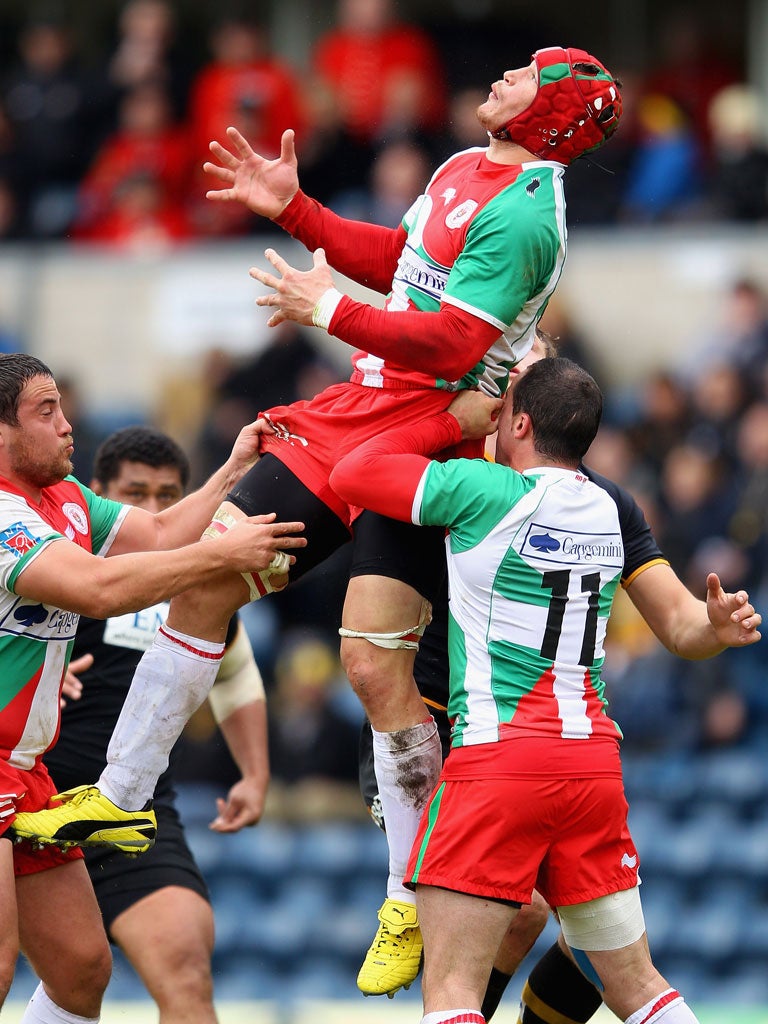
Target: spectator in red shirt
{"x": 243, "y": 74}
{"x": 148, "y": 149}
{"x": 386, "y": 75}
{"x": 245, "y": 86}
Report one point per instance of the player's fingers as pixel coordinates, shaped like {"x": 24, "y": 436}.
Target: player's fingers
{"x": 240, "y": 143}
{"x": 261, "y": 426}
{"x": 287, "y": 146}
{"x": 277, "y": 261}
{"x": 223, "y": 155}
{"x": 746, "y": 615}
{"x": 80, "y": 664}
{"x": 744, "y": 608}
{"x": 281, "y": 528}
{"x": 222, "y": 173}
{"x": 713, "y": 583}
{"x": 264, "y": 277}
{"x": 220, "y": 194}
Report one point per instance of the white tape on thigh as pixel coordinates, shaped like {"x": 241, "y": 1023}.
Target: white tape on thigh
{"x": 259, "y": 583}
{"x": 609, "y": 922}
{"x": 406, "y": 639}
{"x": 221, "y": 522}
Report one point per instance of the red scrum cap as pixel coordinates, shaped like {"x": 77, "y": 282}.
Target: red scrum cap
{"x": 576, "y": 108}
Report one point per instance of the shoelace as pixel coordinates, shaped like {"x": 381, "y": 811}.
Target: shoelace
{"x": 397, "y": 940}
{"x": 78, "y": 798}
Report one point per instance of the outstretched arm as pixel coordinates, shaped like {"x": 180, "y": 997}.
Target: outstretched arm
{"x": 67, "y": 576}
{"x": 687, "y": 626}
{"x": 447, "y": 343}
{"x": 185, "y": 521}
{"x": 366, "y": 253}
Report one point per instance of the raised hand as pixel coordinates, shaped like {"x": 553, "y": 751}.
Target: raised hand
{"x": 264, "y": 186}
{"x": 296, "y": 292}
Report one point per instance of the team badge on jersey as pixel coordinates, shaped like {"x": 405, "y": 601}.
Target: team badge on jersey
{"x": 76, "y": 515}
{"x": 17, "y": 539}
{"x": 461, "y": 214}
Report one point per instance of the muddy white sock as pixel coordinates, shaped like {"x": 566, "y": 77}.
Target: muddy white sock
{"x": 407, "y": 765}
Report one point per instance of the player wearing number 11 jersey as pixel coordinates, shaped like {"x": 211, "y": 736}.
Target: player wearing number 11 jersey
{"x": 531, "y": 794}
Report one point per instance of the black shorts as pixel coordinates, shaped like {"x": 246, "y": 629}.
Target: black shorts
{"x": 271, "y": 487}
{"x": 121, "y": 881}
{"x": 401, "y": 551}
{"x": 381, "y": 546}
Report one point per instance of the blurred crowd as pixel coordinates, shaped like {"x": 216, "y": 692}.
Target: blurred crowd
{"x": 110, "y": 151}
{"x": 691, "y": 444}
{"x": 107, "y": 147}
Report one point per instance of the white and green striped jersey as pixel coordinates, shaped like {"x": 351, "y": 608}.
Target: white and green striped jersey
{"x": 490, "y": 239}
{"x": 534, "y": 560}
{"x": 36, "y": 639}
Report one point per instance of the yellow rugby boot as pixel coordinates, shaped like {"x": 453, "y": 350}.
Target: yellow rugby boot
{"x": 394, "y": 959}
{"x": 85, "y": 817}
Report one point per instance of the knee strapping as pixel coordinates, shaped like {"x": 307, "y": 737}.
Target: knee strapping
{"x": 608, "y": 922}
{"x": 259, "y": 582}
{"x": 406, "y": 639}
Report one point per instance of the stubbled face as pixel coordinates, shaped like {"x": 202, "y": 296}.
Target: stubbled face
{"x": 39, "y": 450}
{"x": 510, "y": 96}
{"x": 152, "y": 488}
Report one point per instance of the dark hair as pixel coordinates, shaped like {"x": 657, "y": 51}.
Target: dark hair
{"x": 16, "y": 370}
{"x": 138, "y": 444}
{"x": 564, "y": 404}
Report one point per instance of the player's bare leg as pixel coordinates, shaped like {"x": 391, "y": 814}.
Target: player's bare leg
{"x": 407, "y": 754}
{"x": 168, "y": 937}
{"x": 462, "y": 935}
{"x": 61, "y": 933}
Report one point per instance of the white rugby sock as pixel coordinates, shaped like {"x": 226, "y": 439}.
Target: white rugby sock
{"x": 668, "y": 1006}
{"x": 41, "y": 1009}
{"x": 407, "y": 765}
{"x": 171, "y": 681}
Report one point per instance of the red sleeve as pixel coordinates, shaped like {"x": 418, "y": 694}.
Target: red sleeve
{"x": 446, "y": 344}
{"x": 366, "y": 253}
{"x": 383, "y": 474}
